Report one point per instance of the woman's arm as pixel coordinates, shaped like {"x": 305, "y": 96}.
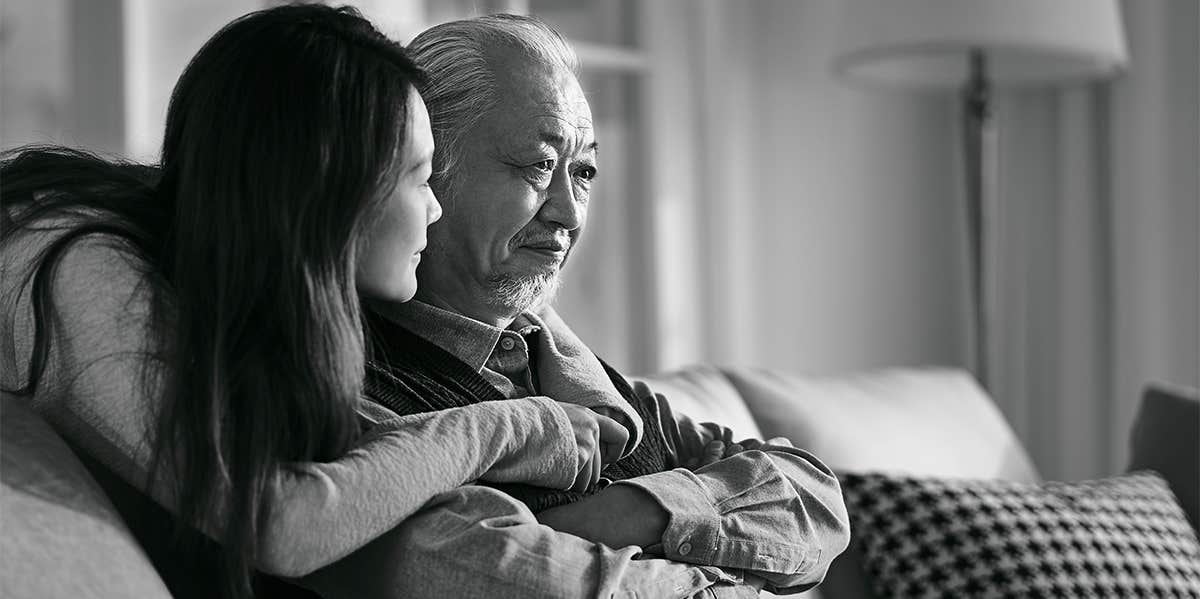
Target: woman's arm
{"x": 324, "y": 511}
{"x": 95, "y": 393}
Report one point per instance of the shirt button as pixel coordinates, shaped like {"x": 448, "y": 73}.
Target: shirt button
{"x": 507, "y": 344}
{"x": 685, "y": 548}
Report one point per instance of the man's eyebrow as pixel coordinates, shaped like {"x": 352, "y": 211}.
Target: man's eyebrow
{"x": 555, "y": 139}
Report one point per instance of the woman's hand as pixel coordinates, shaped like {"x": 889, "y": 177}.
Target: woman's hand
{"x": 598, "y": 440}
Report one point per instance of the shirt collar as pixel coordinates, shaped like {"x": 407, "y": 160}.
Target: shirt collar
{"x": 467, "y": 339}
{"x": 464, "y": 338}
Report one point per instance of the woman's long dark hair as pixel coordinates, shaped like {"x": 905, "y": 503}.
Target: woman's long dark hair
{"x": 283, "y": 134}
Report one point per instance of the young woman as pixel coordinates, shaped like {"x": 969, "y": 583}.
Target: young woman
{"x": 196, "y": 328}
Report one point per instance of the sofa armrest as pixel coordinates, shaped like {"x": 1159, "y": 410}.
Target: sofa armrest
{"x": 61, "y": 535}
{"x": 1166, "y": 438}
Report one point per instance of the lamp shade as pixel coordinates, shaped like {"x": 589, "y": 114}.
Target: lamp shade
{"x": 927, "y": 43}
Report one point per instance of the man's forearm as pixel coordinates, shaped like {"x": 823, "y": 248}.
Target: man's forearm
{"x": 478, "y": 542}
{"x": 773, "y": 514}
{"x": 777, "y": 514}
{"x": 618, "y": 516}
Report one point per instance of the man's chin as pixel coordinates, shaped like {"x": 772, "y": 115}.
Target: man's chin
{"x": 526, "y": 291}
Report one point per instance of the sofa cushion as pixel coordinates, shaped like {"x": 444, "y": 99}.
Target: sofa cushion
{"x": 1166, "y": 438}
{"x": 61, "y": 536}
{"x": 913, "y": 421}
{"x": 932, "y": 537}
{"x": 705, "y": 395}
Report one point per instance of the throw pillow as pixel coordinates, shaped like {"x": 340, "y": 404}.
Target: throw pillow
{"x": 1124, "y": 537}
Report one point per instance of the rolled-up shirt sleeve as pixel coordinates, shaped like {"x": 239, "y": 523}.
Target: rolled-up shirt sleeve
{"x": 776, "y": 512}
{"x": 479, "y": 542}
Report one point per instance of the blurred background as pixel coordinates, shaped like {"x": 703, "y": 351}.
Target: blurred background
{"x": 755, "y": 209}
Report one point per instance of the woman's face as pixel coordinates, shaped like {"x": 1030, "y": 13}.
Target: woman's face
{"x": 387, "y": 265}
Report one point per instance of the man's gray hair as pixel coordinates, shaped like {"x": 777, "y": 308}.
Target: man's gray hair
{"x": 460, "y": 86}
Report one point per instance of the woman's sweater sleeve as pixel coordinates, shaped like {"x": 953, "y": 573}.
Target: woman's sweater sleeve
{"x": 99, "y": 392}
{"x": 323, "y": 511}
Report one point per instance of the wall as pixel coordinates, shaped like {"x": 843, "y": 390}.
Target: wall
{"x": 60, "y": 73}
{"x": 861, "y": 204}
{"x": 826, "y": 220}
{"x": 160, "y": 39}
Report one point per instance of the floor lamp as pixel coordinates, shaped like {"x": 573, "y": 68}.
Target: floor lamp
{"x": 973, "y": 46}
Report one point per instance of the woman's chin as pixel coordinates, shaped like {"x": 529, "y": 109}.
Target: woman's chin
{"x": 404, "y": 292}
{"x": 394, "y": 293}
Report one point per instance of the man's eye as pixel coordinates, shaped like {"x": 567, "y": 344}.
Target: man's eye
{"x": 586, "y": 173}
{"x": 545, "y": 165}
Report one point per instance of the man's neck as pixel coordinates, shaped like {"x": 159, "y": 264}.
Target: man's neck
{"x": 475, "y": 310}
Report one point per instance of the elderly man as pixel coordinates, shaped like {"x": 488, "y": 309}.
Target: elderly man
{"x": 516, "y": 157}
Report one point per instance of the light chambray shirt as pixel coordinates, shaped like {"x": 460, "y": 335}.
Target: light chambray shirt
{"x": 775, "y": 514}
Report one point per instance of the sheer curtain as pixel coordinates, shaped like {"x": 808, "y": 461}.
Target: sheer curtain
{"x": 1095, "y": 286}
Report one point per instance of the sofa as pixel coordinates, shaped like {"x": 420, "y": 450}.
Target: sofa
{"x": 936, "y": 435}
{"x": 61, "y": 537}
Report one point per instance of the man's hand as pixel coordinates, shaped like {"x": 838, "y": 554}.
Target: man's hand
{"x": 618, "y": 516}
{"x": 717, "y": 450}
{"x": 598, "y": 439}
{"x": 713, "y": 451}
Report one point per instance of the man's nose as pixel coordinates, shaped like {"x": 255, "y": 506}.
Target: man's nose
{"x": 561, "y": 207}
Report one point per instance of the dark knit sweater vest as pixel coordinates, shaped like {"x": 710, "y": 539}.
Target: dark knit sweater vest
{"x": 410, "y": 375}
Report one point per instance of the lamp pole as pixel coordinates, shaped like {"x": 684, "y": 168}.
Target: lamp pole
{"x": 979, "y": 147}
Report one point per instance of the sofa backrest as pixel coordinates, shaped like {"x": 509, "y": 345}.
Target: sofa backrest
{"x": 704, "y": 394}
{"x": 59, "y": 533}
{"x": 920, "y": 421}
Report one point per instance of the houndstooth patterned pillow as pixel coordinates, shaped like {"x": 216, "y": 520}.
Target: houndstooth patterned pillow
{"x": 1121, "y": 537}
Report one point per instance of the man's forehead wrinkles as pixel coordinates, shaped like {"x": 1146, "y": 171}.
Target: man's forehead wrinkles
{"x": 548, "y": 122}
{"x": 560, "y": 102}
{"x": 555, "y": 130}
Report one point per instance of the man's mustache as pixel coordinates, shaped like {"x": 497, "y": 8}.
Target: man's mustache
{"x": 559, "y": 241}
